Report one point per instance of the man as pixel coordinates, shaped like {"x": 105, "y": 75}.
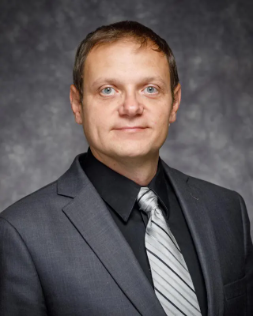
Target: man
{"x": 121, "y": 232}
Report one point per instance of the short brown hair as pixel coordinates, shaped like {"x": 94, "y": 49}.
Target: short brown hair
{"x": 117, "y": 31}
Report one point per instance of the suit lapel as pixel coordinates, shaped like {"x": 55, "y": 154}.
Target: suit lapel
{"x": 197, "y": 217}
{"x": 89, "y": 214}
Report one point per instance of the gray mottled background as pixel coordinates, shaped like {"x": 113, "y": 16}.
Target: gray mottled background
{"x": 212, "y": 43}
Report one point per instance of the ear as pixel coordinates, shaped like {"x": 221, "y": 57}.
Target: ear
{"x": 176, "y": 103}
{"x": 76, "y": 104}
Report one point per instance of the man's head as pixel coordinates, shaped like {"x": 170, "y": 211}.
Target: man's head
{"x": 125, "y": 76}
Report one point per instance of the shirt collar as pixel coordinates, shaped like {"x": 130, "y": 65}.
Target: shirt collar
{"x": 118, "y": 191}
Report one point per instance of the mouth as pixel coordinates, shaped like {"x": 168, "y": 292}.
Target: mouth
{"x": 131, "y": 129}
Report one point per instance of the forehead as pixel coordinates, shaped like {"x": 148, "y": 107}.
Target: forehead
{"x": 126, "y": 58}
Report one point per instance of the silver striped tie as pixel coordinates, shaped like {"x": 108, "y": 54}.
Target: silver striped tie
{"x": 172, "y": 282}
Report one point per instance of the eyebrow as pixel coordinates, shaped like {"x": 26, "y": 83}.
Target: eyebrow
{"x": 117, "y": 81}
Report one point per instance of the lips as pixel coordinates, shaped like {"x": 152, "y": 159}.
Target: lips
{"x": 135, "y": 127}
{"x": 130, "y": 130}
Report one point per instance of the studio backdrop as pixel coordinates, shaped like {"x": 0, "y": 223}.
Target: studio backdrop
{"x": 212, "y": 43}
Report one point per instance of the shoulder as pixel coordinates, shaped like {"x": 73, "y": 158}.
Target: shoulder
{"x": 46, "y": 203}
{"x": 204, "y": 187}
{"x": 211, "y": 189}
{"x": 224, "y": 204}
{"x": 216, "y": 197}
{"x": 35, "y": 206}
{"x": 225, "y": 207}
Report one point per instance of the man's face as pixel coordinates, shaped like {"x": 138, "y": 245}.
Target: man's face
{"x": 126, "y": 87}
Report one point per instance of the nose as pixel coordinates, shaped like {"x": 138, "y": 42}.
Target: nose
{"x": 130, "y": 106}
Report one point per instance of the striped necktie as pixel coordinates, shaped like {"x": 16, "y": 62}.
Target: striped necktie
{"x": 172, "y": 282}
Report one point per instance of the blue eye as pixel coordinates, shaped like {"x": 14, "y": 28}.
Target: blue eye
{"x": 107, "y": 90}
{"x": 151, "y": 89}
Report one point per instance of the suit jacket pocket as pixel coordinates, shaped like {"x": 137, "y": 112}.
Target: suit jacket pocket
{"x": 235, "y": 289}
{"x": 235, "y": 298}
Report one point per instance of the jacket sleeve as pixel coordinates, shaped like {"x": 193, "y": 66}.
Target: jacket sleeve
{"x": 20, "y": 288}
{"x": 248, "y": 259}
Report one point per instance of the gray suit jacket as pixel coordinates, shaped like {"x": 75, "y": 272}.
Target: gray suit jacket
{"x": 61, "y": 253}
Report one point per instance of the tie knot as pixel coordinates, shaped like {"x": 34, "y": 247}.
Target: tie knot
{"x": 147, "y": 200}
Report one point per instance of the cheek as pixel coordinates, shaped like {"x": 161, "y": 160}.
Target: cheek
{"x": 160, "y": 118}
{"x": 96, "y": 122}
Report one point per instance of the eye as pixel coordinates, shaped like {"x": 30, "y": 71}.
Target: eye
{"x": 151, "y": 89}
{"x": 107, "y": 91}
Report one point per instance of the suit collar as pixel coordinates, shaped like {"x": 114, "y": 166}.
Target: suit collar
{"x": 73, "y": 181}
{"x": 100, "y": 231}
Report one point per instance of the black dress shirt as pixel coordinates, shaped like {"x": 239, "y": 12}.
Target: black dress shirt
{"x": 120, "y": 193}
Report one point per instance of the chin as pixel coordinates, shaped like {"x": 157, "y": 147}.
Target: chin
{"x": 130, "y": 151}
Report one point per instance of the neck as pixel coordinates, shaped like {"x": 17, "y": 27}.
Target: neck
{"x": 140, "y": 170}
